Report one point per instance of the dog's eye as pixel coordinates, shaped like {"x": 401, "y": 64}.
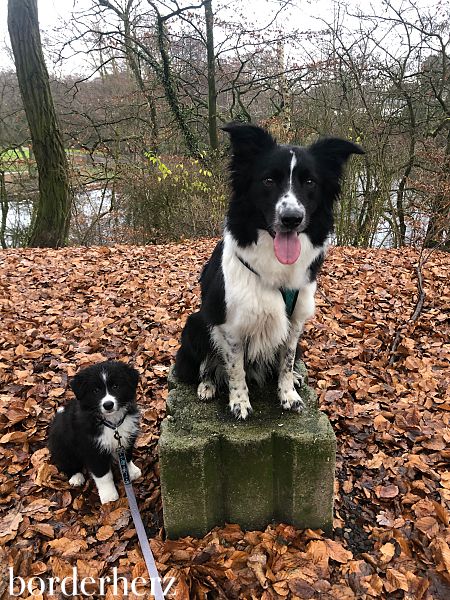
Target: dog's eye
{"x": 114, "y": 386}
{"x": 96, "y": 390}
{"x": 310, "y": 183}
{"x": 268, "y": 182}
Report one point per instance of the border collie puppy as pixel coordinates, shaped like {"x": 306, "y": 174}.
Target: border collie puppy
{"x": 258, "y": 286}
{"x": 82, "y": 432}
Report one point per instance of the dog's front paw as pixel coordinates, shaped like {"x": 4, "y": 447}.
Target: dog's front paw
{"x": 206, "y": 391}
{"x": 134, "y": 471}
{"x": 77, "y": 479}
{"x": 108, "y": 495}
{"x": 290, "y": 400}
{"x": 240, "y": 405}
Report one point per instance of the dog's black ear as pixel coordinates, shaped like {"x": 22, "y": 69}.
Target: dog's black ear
{"x": 334, "y": 152}
{"x": 248, "y": 140}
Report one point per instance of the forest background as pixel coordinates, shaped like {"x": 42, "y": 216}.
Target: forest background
{"x": 141, "y": 89}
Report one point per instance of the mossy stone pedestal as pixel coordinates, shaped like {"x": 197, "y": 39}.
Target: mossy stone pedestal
{"x": 276, "y": 465}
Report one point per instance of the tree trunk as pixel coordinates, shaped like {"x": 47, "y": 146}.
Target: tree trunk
{"x": 212, "y": 95}
{"x": 4, "y": 209}
{"x": 132, "y": 54}
{"x": 52, "y": 214}
{"x": 171, "y": 93}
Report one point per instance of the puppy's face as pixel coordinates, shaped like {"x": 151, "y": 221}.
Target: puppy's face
{"x": 106, "y": 388}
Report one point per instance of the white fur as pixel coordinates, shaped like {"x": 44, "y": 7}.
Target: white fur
{"x": 60, "y": 409}
{"x": 77, "y": 479}
{"x": 108, "y": 443}
{"x": 289, "y": 199}
{"x": 108, "y": 398}
{"x": 206, "y": 390}
{"x": 106, "y": 488}
{"x": 256, "y": 323}
{"x": 134, "y": 471}
{"x": 255, "y": 309}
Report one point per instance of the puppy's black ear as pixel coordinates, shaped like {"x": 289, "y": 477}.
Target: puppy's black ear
{"x": 248, "y": 140}
{"x": 333, "y": 153}
{"x": 133, "y": 376}
{"x": 77, "y": 384}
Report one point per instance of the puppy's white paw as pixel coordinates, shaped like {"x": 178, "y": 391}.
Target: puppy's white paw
{"x": 206, "y": 391}
{"x": 77, "y": 479}
{"x": 134, "y": 471}
{"x": 290, "y": 400}
{"x": 108, "y": 495}
{"x": 240, "y": 404}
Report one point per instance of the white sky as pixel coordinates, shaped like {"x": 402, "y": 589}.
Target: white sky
{"x": 50, "y": 12}
{"x": 305, "y": 16}
{"x": 53, "y": 11}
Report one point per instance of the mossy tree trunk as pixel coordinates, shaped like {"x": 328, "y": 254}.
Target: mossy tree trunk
{"x": 52, "y": 213}
{"x": 212, "y": 94}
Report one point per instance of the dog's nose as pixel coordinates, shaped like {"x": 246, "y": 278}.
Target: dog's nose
{"x": 292, "y": 217}
{"x": 108, "y": 405}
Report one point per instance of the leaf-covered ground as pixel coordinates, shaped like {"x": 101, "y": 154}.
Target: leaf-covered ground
{"x": 64, "y": 309}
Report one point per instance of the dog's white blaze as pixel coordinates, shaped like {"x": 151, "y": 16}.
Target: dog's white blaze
{"x": 293, "y": 163}
{"x": 106, "y": 488}
{"x": 107, "y": 442}
{"x": 289, "y": 199}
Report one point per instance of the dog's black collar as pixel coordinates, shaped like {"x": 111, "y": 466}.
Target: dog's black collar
{"x": 117, "y": 425}
{"x": 248, "y": 266}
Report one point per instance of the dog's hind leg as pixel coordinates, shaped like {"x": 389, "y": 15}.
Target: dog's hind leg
{"x": 207, "y": 388}
{"x": 193, "y": 349}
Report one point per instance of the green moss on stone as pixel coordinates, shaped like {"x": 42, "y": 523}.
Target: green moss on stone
{"x": 275, "y": 465}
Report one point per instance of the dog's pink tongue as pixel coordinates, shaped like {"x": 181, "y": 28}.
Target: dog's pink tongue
{"x": 287, "y": 247}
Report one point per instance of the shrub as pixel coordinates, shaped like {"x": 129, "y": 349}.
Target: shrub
{"x": 173, "y": 198}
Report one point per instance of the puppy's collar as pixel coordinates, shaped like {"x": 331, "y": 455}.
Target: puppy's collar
{"x": 115, "y": 425}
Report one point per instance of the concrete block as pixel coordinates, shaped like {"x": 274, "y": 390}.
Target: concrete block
{"x": 277, "y": 465}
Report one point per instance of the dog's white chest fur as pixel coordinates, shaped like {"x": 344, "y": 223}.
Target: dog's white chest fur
{"x": 107, "y": 442}
{"x": 255, "y": 309}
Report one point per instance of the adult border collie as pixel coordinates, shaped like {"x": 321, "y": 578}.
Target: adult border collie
{"x": 82, "y": 433}
{"x": 258, "y": 286}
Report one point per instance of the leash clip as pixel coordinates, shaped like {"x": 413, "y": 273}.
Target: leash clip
{"x": 118, "y": 437}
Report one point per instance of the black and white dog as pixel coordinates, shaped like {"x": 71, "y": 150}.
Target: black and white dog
{"x": 82, "y": 433}
{"x": 258, "y": 286}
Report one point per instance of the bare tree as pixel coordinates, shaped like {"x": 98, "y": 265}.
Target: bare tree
{"x": 51, "y": 219}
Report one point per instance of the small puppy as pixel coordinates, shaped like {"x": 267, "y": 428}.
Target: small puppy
{"x": 79, "y": 437}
